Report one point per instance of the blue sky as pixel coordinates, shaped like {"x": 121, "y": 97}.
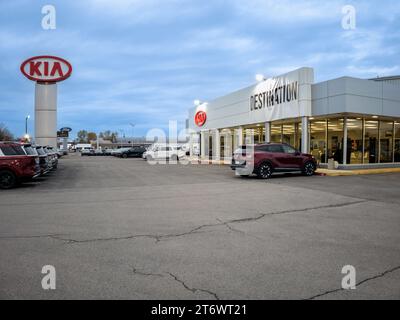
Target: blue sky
{"x": 145, "y": 61}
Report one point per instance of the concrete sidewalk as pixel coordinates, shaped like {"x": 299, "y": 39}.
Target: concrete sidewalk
{"x": 337, "y": 173}
{"x": 320, "y": 171}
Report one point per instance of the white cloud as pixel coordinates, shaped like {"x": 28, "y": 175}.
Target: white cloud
{"x": 129, "y": 12}
{"x": 373, "y": 71}
{"x": 290, "y": 11}
{"x": 219, "y": 39}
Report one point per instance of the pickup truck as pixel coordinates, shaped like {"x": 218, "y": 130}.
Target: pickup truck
{"x": 16, "y": 166}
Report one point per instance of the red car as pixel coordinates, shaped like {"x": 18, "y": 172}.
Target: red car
{"x": 16, "y": 166}
{"x": 265, "y": 159}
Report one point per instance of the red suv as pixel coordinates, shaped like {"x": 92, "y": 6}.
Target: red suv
{"x": 16, "y": 166}
{"x": 265, "y": 159}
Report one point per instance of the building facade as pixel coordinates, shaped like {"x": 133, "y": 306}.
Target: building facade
{"x": 354, "y": 121}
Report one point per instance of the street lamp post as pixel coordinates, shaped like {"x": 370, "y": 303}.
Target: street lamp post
{"x": 122, "y": 136}
{"x": 26, "y": 124}
{"x": 133, "y": 125}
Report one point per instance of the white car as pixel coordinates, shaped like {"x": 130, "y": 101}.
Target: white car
{"x": 165, "y": 152}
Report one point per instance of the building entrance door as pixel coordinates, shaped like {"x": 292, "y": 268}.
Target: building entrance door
{"x": 222, "y": 149}
{"x": 210, "y": 147}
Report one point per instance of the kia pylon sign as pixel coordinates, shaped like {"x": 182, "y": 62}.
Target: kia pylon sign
{"x": 46, "y": 71}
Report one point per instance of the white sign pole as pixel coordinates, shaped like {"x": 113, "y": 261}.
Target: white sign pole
{"x": 46, "y": 114}
{"x": 65, "y": 144}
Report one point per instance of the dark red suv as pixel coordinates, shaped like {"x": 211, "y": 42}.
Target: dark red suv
{"x": 16, "y": 166}
{"x": 265, "y": 159}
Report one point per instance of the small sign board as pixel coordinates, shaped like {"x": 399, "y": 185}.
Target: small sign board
{"x": 62, "y": 134}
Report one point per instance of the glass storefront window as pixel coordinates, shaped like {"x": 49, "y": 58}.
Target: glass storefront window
{"x": 335, "y": 139}
{"x": 397, "y": 142}
{"x": 386, "y": 141}
{"x": 371, "y": 141}
{"x": 249, "y": 136}
{"x": 381, "y": 139}
{"x": 255, "y": 135}
{"x": 289, "y": 134}
{"x": 318, "y": 140}
{"x": 276, "y": 133}
{"x": 226, "y": 143}
{"x": 259, "y": 135}
{"x": 354, "y": 141}
{"x": 210, "y": 147}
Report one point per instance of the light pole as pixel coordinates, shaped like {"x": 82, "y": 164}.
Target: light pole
{"x": 122, "y": 134}
{"x": 133, "y": 125}
{"x": 26, "y": 124}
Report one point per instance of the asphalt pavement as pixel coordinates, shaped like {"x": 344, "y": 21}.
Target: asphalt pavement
{"x": 123, "y": 229}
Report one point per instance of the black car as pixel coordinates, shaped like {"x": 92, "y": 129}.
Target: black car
{"x": 135, "y": 152}
{"x": 44, "y": 158}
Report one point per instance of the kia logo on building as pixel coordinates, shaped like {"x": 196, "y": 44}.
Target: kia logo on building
{"x": 200, "y": 118}
{"x": 46, "y": 69}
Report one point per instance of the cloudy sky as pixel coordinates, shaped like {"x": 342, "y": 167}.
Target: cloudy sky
{"x": 145, "y": 61}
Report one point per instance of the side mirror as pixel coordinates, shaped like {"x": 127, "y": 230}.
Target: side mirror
{"x": 297, "y": 153}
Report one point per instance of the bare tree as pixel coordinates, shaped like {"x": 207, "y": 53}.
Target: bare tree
{"x": 5, "y": 134}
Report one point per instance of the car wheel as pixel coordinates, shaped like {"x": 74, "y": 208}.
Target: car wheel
{"x": 7, "y": 179}
{"x": 265, "y": 171}
{"x": 124, "y": 156}
{"x": 309, "y": 169}
{"x": 174, "y": 158}
{"x": 149, "y": 158}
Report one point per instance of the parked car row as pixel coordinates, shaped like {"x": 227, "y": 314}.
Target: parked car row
{"x": 24, "y": 162}
{"x": 133, "y": 152}
{"x": 96, "y": 153}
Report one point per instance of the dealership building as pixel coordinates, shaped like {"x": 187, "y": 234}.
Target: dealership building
{"x": 354, "y": 121}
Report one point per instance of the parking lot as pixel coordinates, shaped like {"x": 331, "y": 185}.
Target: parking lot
{"x": 120, "y": 228}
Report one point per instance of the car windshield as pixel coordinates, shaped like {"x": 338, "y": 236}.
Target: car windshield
{"x": 40, "y": 151}
{"x": 10, "y": 150}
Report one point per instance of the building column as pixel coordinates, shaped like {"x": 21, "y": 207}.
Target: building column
{"x": 345, "y": 141}
{"x": 217, "y": 145}
{"x": 267, "y": 132}
{"x": 305, "y": 137}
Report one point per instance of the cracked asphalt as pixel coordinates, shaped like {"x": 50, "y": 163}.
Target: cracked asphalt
{"x": 121, "y": 229}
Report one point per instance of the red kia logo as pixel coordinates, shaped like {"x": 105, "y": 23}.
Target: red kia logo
{"x": 46, "y": 69}
{"x": 200, "y": 118}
